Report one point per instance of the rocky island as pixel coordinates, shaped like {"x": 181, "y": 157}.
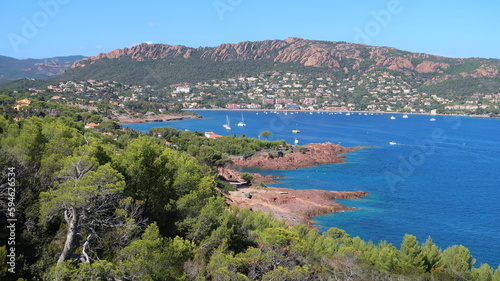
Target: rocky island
{"x": 294, "y": 206}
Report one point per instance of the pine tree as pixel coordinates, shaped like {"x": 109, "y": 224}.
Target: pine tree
{"x": 496, "y": 276}
{"x": 458, "y": 258}
{"x": 483, "y": 273}
{"x": 432, "y": 255}
{"x": 412, "y": 252}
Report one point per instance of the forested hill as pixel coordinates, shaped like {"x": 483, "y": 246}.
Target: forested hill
{"x": 11, "y": 68}
{"x": 162, "y": 65}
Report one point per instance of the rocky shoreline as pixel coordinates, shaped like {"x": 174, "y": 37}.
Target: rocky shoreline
{"x": 294, "y": 206}
{"x": 156, "y": 118}
{"x": 310, "y": 155}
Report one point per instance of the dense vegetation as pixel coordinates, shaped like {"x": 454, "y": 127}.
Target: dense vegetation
{"x": 212, "y": 151}
{"x": 176, "y": 70}
{"x": 124, "y": 206}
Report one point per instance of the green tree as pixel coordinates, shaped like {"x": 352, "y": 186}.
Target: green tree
{"x": 412, "y": 252}
{"x": 265, "y": 134}
{"x": 98, "y": 270}
{"x": 483, "y": 273}
{"x": 432, "y": 254}
{"x": 458, "y": 258}
{"x": 247, "y": 177}
{"x": 109, "y": 125}
{"x": 154, "y": 257}
{"x": 87, "y": 197}
{"x": 277, "y": 243}
{"x": 496, "y": 276}
{"x": 386, "y": 257}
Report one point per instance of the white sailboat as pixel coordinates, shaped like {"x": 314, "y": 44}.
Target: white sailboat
{"x": 242, "y": 123}
{"x": 405, "y": 116}
{"x": 227, "y": 125}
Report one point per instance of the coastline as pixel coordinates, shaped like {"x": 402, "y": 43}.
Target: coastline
{"x": 156, "y": 118}
{"x": 309, "y": 155}
{"x": 343, "y": 111}
{"x": 294, "y": 206}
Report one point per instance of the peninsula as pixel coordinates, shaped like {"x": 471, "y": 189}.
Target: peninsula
{"x": 294, "y": 206}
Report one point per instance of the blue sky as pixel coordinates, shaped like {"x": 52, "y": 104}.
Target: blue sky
{"x": 47, "y": 28}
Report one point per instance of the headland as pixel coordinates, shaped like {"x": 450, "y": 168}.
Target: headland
{"x": 294, "y": 206}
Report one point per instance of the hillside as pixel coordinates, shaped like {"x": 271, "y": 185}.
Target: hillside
{"x": 11, "y": 68}
{"x": 163, "y": 65}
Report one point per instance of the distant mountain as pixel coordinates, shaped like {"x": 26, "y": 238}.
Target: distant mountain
{"x": 161, "y": 64}
{"x": 11, "y": 68}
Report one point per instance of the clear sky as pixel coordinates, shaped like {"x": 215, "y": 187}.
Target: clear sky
{"x": 47, "y": 28}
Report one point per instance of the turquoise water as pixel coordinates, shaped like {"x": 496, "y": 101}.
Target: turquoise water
{"x": 441, "y": 179}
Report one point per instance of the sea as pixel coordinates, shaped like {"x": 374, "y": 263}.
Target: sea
{"x": 437, "y": 178}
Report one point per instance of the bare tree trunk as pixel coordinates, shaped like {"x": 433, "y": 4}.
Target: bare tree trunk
{"x": 73, "y": 222}
{"x": 86, "y": 258}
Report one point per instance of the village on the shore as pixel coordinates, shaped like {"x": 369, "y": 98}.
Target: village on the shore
{"x": 379, "y": 92}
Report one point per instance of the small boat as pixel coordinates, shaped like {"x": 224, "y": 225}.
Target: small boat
{"x": 295, "y": 131}
{"x": 227, "y": 125}
{"x": 392, "y": 117}
{"x": 296, "y": 141}
{"x": 348, "y": 113}
{"x": 392, "y": 143}
{"x": 405, "y": 116}
{"x": 242, "y": 123}
{"x": 433, "y": 119}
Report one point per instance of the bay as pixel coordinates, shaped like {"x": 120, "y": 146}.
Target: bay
{"x": 440, "y": 179}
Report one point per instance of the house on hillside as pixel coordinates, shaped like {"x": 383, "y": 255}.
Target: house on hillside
{"x": 91, "y": 125}
{"x": 212, "y": 135}
{"x": 21, "y": 103}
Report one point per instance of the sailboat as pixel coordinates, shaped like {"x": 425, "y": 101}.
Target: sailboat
{"x": 405, "y": 116}
{"x": 242, "y": 123}
{"x": 227, "y": 125}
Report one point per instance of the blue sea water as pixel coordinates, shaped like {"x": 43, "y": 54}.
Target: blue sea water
{"x": 441, "y": 179}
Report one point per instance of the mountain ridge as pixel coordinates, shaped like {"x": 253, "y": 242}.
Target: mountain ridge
{"x": 12, "y": 68}
{"x": 163, "y": 64}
